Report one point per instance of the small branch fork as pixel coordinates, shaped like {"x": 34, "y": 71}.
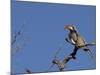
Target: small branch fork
{"x": 27, "y": 71}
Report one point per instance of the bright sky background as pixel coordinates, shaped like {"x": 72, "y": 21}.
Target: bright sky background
{"x": 44, "y": 31}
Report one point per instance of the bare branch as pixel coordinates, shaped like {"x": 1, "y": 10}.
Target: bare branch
{"x": 59, "y": 64}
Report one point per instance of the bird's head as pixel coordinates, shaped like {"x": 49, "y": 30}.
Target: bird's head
{"x": 69, "y": 27}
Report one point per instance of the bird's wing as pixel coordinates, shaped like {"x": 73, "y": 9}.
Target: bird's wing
{"x": 73, "y": 41}
{"x": 73, "y": 37}
{"x": 81, "y": 41}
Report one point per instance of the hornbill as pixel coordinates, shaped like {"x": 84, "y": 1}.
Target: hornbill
{"x": 76, "y": 39}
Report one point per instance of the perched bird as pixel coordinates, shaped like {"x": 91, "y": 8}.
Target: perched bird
{"x": 76, "y": 39}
